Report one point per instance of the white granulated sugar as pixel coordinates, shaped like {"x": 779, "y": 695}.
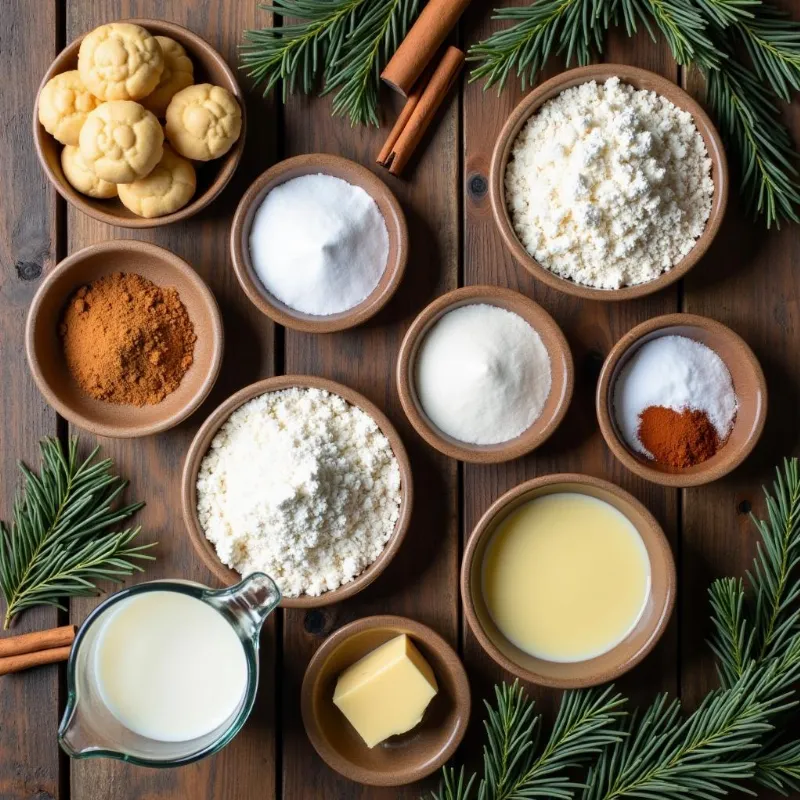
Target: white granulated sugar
{"x": 609, "y": 186}
{"x": 301, "y": 485}
{"x": 482, "y": 374}
{"x": 319, "y": 244}
{"x": 678, "y": 373}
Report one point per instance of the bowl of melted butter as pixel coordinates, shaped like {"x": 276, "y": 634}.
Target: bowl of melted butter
{"x": 568, "y": 581}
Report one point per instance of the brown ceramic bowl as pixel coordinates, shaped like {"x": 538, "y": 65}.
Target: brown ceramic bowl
{"x": 748, "y": 383}
{"x": 560, "y": 361}
{"x": 402, "y": 759}
{"x": 212, "y": 176}
{"x": 354, "y": 174}
{"x": 639, "y": 79}
{"x": 199, "y": 447}
{"x": 608, "y": 666}
{"x": 46, "y": 358}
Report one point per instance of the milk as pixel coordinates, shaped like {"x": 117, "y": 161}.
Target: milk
{"x": 169, "y": 667}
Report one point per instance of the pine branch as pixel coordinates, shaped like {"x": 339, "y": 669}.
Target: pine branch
{"x": 574, "y": 28}
{"x": 732, "y": 642}
{"x": 57, "y": 545}
{"x": 727, "y": 12}
{"x": 778, "y": 767}
{"x": 454, "y": 787}
{"x": 342, "y": 43}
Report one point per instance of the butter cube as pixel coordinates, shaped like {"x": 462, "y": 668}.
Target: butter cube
{"x": 387, "y": 691}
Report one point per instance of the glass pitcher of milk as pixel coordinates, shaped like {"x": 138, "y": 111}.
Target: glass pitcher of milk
{"x": 165, "y": 673}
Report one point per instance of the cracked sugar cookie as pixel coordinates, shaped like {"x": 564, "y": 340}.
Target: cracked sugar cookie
{"x": 121, "y": 141}
{"x": 64, "y": 104}
{"x": 178, "y": 74}
{"x": 203, "y": 121}
{"x": 120, "y": 61}
{"x": 82, "y": 178}
{"x": 169, "y": 187}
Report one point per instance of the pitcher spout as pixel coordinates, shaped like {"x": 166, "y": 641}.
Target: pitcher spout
{"x": 249, "y": 603}
{"x": 77, "y": 737}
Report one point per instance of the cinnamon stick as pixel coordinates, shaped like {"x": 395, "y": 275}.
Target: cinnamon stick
{"x": 39, "y": 640}
{"x": 426, "y": 36}
{"x": 401, "y": 144}
{"x": 28, "y": 660}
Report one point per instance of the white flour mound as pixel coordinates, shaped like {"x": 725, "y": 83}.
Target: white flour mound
{"x": 609, "y": 186}
{"x": 300, "y": 485}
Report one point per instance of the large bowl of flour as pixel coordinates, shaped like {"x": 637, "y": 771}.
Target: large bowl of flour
{"x": 608, "y": 182}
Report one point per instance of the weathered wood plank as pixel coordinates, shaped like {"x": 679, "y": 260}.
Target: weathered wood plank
{"x": 29, "y": 760}
{"x": 591, "y": 328}
{"x": 422, "y": 581}
{"x": 246, "y": 768}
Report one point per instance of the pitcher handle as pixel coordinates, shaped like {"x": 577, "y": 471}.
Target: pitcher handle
{"x": 248, "y": 603}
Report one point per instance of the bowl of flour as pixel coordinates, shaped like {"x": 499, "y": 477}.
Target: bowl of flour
{"x": 608, "y": 182}
{"x": 303, "y": 479}
{"x": 319, "y": 243}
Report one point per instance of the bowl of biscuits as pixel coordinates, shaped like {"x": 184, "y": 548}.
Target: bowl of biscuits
{"x": 139, "y": 123}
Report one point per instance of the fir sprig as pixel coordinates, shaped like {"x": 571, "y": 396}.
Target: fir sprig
{"x": 340, "y": 44}
{"x": 58, "y": 542}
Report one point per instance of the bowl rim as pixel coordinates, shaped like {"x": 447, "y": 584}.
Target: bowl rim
{"x": 229, "y": 161}
{"x": 702, "y": 473}
{"x": 537, "y": 317}
{"x": 352, "y": 172}
{"x": 431, "y": 639}
{"x": 199, "y": 447}
{"x": 638, "y": 78}
{"x": 485, "y": 524}
{"x": 175, "y": 262}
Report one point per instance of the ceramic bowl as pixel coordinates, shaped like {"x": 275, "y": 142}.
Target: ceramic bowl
{"x": 199, "y": 447}
{"x": 560, "y": 361}
{"x": 402, "y": 759}
{"x": 354, "y": 174}
{"x": 603, "y": 668}
{"x": 639, "y": 79}
{"x": 212, "y": 176}
{"x": 748, "y": 383}
{"x": 46, "y": 358}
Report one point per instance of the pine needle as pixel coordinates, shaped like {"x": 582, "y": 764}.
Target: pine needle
{"x": 341, "y": 45}
{"x": 58, "y": 542}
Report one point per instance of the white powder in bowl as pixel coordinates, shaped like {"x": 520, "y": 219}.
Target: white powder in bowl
{"x": 678, "y": 373}
{"x": 301, "y": 485}
{"x": 609, "y": 186}
{"x": 482, "y": 374}
{"x": 319, "y": 244}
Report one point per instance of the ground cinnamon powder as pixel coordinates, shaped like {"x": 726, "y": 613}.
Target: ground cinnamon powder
{"x": 127, "y": 340}
{"x": 678, "y": 438}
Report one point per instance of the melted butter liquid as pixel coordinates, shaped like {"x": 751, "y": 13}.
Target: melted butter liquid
{"x": 566, "y": 577}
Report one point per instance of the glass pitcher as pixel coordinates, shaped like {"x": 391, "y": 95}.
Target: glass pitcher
{"x": 88, "y": 729}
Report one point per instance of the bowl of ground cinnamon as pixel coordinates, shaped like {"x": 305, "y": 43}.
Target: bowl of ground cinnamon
{"x": 681, "y": 400}
{"x": 124, "y": 339}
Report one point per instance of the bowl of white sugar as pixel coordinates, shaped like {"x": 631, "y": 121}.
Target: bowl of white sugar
{"x": 608, "y": 182}
{"x": 303, "y": 479}
{"x": 319, "y": 243}
{"x": 484, "y": 374}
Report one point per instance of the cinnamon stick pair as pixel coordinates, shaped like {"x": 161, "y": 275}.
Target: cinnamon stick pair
{"x": 420, "y": 109}
{"x": 34, "y": 649}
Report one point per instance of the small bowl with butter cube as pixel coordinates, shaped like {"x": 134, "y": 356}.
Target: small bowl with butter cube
{"x": 385, "y": 701}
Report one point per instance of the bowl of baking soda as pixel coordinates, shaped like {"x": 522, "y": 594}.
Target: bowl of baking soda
{"x": 484, "y": 374}
{"x": 319, "y": 243}
{"x": 681, "y": 400}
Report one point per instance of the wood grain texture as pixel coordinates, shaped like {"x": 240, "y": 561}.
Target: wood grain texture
{"x": 591, "y": 329}
{"x": 422, "y": 580}
{"x": 29, "y": 759}
{"x": 246, "y": 768}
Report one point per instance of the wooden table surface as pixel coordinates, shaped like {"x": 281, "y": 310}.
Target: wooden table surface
{"x": 746, "y": 281}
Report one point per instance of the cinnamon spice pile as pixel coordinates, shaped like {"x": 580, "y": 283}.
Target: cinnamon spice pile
{"x": 678, "y": 438}
{"x": 127, "y": 340}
